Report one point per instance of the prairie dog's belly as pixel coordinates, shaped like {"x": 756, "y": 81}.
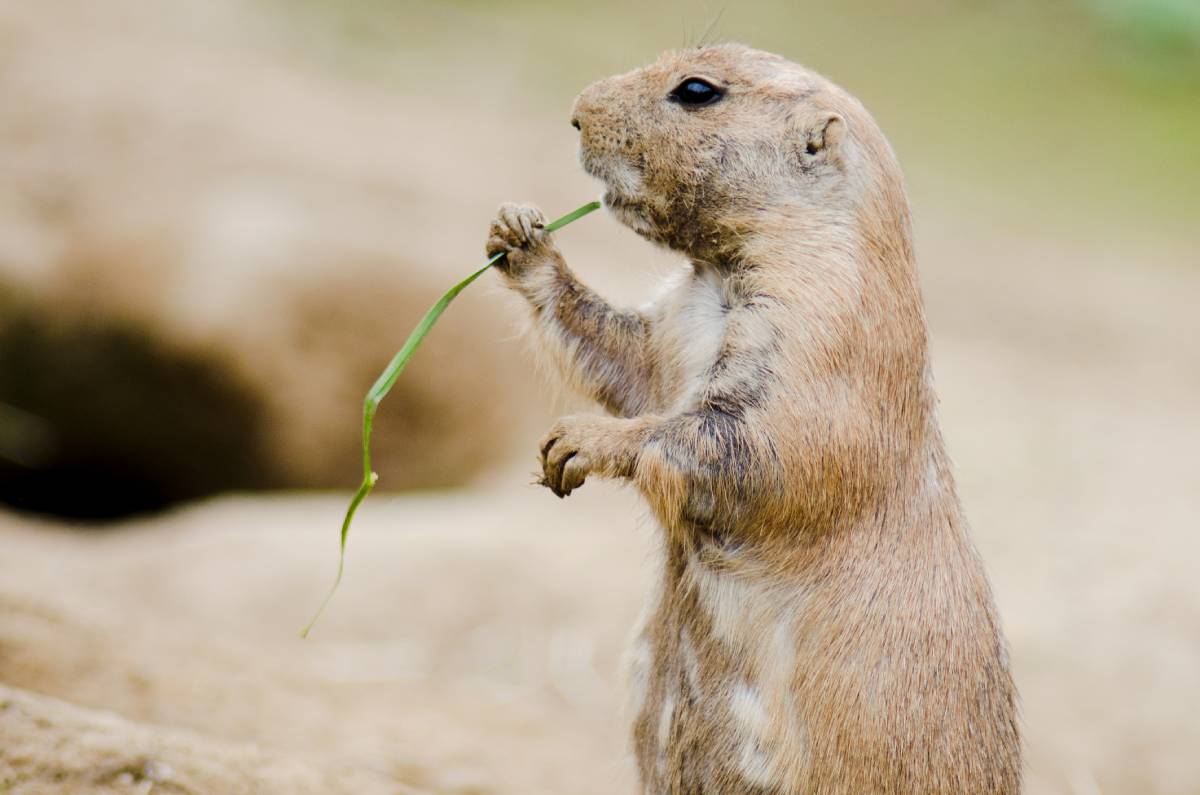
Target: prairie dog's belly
{"x": 692, "y": 316}
{"x": 713, "y": 676}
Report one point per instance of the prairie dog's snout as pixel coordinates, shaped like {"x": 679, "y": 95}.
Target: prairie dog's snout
{"x": 609, "y": 144}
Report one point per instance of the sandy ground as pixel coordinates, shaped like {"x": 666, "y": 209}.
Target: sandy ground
{"x": 473, "y": 651}
{"x": 475, "y": 645}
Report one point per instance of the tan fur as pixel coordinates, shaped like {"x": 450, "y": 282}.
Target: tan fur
{"x": 822, "y": 624}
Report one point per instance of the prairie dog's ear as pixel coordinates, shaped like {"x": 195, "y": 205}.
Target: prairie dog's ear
{"x": 821, "y": 138}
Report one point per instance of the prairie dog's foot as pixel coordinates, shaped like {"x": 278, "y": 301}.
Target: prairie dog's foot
{"x": 519, "y": 233}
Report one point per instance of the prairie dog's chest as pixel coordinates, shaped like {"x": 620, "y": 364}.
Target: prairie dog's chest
{"x": 691, "y": 328}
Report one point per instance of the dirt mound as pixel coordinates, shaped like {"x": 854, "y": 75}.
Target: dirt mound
{"x": 473, "y": 648}
{"x": 52, "y": 748}
{"x": 196, "y": 291}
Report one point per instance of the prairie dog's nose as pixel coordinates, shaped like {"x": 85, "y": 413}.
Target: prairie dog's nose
{"x": 577, "y": 114}
{"x": 584, "y": 107}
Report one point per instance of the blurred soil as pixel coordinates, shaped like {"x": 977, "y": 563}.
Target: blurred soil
{"x": 254, "y": 249}
{"x": 196, "y": 283}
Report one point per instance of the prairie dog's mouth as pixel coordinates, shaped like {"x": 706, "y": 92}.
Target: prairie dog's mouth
{"x": 630, "y": 212}
{"x": 623, "y": 189}
{"x": 595, "y": 165}
{"x": 622, "y": 180}
{"x": 616, "y": 202}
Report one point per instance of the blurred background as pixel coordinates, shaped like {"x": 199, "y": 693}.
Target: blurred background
{"x": 219, "y": 219}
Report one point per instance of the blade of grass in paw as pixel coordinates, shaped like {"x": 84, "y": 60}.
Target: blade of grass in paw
{"x": 387, "y": 379}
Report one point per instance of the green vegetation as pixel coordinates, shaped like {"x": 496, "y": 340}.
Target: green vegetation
{"x": 387, "y": 379}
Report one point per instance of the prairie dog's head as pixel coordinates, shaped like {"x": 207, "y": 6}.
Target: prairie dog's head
{"x": 706, "y": 142}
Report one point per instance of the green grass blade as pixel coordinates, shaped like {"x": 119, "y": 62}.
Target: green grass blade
{"x": 572, "y": 216}
{"x": 387, "y": 380}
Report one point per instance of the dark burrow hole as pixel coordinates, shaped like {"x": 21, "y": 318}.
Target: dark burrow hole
{"x": 100, "y": 420}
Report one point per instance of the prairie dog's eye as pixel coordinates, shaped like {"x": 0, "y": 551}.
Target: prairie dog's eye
{"x": 694, "y": 91}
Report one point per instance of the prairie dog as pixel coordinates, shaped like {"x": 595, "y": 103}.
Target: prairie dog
{"x": 822, "y": 624}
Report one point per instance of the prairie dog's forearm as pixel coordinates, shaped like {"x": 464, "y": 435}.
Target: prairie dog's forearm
{"x": 602, "y": 351}
{"x": 706, "y": 470}
{"x": 709, "y": 466}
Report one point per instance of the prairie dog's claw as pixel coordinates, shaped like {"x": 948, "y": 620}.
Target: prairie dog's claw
{"x": 518, "y": 229}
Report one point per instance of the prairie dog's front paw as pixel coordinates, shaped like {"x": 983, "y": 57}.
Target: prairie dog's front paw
{"x": 519, "y": 232}
{"x": 569, "y": 454}
{"x": 577, "y": 447}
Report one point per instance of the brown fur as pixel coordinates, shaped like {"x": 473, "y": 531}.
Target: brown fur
{"x": 823, "y": 624}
